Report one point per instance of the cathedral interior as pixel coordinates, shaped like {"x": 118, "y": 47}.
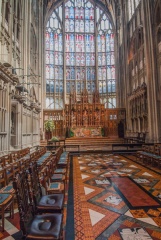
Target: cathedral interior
{"x": 79, "y": 78}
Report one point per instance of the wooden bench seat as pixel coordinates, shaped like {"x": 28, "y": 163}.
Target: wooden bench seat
{"x": 150, "y": 154}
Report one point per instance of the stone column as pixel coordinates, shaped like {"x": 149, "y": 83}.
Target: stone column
{"x": 152, "y": 135}
{"x": 41, "y": 64}
{"x": 123, "y": 85}
{"x": 0, "y": 14}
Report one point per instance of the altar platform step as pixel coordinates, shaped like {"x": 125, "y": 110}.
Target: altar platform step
{"x": 96, "y": 144}
{"x": 76, "y": 144}
{"x": 87, "y": 141}
{"x": 101, "y": 141}
{"x": 43, "y": 143}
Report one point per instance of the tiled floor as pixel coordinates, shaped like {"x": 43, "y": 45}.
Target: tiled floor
{"x": 11, "y": 227}
{"x": 115, "y": 198}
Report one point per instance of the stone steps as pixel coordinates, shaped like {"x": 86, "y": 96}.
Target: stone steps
{"x": 85, "y": 144}
{"x": 92, "y": 141}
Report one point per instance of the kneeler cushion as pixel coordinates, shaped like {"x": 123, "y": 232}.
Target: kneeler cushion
{"x": 46, "y": 226}
{"x": 54, "y": 201}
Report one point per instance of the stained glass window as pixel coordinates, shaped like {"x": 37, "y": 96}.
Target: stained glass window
{"x": 54, "y": 61}
{"x": 80, "y": 55}
{"x": 106, "y": 61}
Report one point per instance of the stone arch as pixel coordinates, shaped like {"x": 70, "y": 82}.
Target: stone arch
{"x": 51, "y": 5}
{"x": 159, "y": 35}
{"x": 157, "y": 13}
{"x": 33, "y": 94}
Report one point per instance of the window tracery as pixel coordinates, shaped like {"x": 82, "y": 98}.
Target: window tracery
{"x": 86, "y": 59}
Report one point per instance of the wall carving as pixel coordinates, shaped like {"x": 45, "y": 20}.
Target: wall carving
{"x": 138, "y": 108}
{"x": 89, "y": 118}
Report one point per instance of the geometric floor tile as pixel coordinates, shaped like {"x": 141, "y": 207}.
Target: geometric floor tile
{"x": 101, "y": 210}
{"x": 134, "y": 194}
{"x": 129, "y": 214}
{"x": 157, "y": 220}
{"x": 84, "y": 176}
{"x": 81, "y": 168}
{"x": 105, "y": 218}
{"x": 111, "y": 186}
{"x": 110, "y": 200}
{"x": 10, "y": 228}
{"x": 148, "y": 220}
{"x": 134, "y": 233}
{"x": 88, "y": 190}
{"x": 95, "y": 216}
{"x": 133, "y": 166}
{"x": 147, "y": 174}
{"x": 154, "y": 213}
{"x": 138, "y": 213}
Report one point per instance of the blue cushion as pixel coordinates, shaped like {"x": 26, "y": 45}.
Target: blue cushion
{"x": 54, "y": 185}
{"x": 3, "y": 197}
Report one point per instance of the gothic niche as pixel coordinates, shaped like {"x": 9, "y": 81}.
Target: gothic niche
{"x": 159, "y": 40}
{"x": 13, "y": 125}
{"x": 138, "y": 109}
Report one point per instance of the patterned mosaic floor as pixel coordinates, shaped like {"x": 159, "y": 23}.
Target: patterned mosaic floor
{"x": 110, "y": 197}
{"x": 115, "y": 198}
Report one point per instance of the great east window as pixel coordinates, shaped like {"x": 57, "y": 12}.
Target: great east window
{"x": 79, "y": 45}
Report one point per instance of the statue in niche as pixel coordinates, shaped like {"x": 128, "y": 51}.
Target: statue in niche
{"x": 73, "y": 99}
{"x": 12, "y": 122}
{"x": 41, "y": 134}
{"x": 73, "y": 118}
{"x": 96, "y": 97}
{"x": 79, "y": 119}
{"x": 85, "y": 96}
{"x": 97, "y": 117}
{"x": 85, "y": 118}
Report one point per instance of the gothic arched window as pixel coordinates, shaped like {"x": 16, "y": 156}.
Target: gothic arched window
{"x": 79, "y": 44}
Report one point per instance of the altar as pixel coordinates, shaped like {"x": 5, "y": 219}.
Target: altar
{"x": 86, "y": 117}
{"x": 86, "y": 132}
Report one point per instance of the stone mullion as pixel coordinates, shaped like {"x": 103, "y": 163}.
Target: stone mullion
{"x": 41, "y": 64}
{"x": 96, "y": 52}
{"x": 64, "y": 62}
